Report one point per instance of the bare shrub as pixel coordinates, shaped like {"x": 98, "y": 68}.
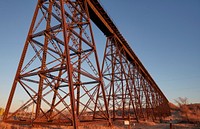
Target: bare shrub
{"x": 190, "y": 112}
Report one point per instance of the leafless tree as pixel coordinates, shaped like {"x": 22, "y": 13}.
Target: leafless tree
{"x": 182, "y": 103}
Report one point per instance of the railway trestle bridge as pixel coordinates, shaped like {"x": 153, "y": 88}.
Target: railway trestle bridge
{"x": 60, "y": 78}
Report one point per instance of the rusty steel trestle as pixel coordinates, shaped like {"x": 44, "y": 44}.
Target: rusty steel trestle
{"x": 59, "y": 77}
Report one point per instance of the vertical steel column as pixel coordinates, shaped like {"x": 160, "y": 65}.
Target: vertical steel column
{"x": 43, "y": 65}
{"x": 69, "y": 67}
{"x": 79, "y": 75}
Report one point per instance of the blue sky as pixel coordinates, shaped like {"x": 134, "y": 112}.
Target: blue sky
{"x": 164, "y": 34}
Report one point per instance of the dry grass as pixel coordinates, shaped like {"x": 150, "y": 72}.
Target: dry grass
{"x": 10, "y": 126}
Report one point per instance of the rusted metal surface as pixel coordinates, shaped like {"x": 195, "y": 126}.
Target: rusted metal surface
{"x": 129, "y": 92}
{"x": 60, "y": 76}
{"x": 59, "y": 69}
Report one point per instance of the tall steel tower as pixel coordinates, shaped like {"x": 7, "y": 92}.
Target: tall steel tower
{"x": 59, "y": 70}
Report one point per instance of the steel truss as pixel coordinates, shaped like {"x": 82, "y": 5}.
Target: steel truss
{"x": 130, "y": 94}
{"x": 59, "y": 79}
{"x": 59, "y": 76}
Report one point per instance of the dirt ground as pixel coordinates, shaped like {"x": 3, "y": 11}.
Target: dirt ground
{"x": 148, "y": 125}
{"x": 175, "y": 120}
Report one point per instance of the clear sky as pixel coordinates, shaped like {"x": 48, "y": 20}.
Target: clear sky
{"x": 164, "y": 34}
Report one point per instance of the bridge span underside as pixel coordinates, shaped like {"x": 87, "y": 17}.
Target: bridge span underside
{"x": 59, "y": 77}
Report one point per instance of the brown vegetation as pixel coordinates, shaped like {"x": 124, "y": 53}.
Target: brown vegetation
{"x": 190, "y": 113}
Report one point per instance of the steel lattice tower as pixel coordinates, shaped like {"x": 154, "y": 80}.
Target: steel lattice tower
{"x": 59, "y": 69}
{"x": 130, "y": 94}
